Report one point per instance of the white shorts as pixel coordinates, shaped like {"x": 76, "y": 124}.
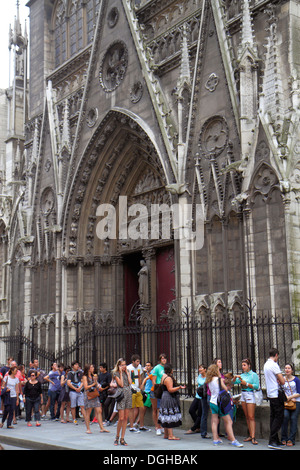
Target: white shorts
{"x": 76, "y": 399}
{"x": 248, "y": 397}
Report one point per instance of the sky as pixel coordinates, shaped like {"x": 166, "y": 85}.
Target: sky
{"x": 8, "y": 10}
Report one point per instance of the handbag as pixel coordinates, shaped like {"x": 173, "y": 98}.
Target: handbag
{"x": 119, "y": 395}
{"x": 288, "y": 404}
{"x": 5, "y": 396}
{"x": 92, "y": 394}
{"x": 202, "y": 391}
{"x": 258, "y": 397}
{"x": 158, "y": 391}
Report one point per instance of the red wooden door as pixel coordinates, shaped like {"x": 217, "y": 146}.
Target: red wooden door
{"x": 165, "y": 294}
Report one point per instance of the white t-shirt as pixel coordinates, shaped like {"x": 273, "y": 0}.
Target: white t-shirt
{"x": 135, "y": 374}
{"x": 271, "y": 370}
{"x": 214, "y": 390}
{"x": 12, "y": 384}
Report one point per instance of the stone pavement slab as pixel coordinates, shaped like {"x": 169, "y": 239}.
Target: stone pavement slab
{"x": 58, "y": 436}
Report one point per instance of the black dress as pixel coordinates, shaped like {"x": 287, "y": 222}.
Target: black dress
{"x": 169, "y": 411}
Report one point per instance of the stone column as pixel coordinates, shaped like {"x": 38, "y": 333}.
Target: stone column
{"x": 118, "y": 289}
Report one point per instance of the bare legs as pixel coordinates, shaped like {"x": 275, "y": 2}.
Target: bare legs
{"x": 249, "y": 411}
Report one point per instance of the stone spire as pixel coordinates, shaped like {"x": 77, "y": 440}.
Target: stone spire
{"x": 272, "y": 92}
{"x": 185, "y": 71}
{"x": 247, "y": 39}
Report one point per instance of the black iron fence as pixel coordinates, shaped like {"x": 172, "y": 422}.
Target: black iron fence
{"x": 187, "y": 342}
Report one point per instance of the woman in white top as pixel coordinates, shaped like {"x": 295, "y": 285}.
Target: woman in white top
{"x": 212, "y": 379}
{"x": 292, "y": 391}
{"x": 11, "y": 383}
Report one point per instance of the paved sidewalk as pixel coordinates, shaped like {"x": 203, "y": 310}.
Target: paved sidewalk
{"x": 58, "y": 436}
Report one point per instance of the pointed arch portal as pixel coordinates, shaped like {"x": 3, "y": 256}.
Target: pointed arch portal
{"x": 121, "y": 163}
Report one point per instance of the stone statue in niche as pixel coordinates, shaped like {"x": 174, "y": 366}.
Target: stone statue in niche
{"x": 143, "y": 275}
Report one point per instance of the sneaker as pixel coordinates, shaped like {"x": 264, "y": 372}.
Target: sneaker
{"x": 134, "y": 430}
{"x": 75, "y": 422}
{"x": 107, "y": 423}
{"x": 158, "y": 432}
{"x": 273, "y": 445}
{"x": 237, "y": 444}
{"x": 145, "y": 429}
{"x": 218, "y": 442}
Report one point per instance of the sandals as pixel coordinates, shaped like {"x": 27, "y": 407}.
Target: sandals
{"x": 251, "y": 439}
{"x": 123, "y": 442}
{"x": 116, "y": 441}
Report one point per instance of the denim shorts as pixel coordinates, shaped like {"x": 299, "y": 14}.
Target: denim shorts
{"x": 248, "y": 397}
{"x": 153, "y": 397}
{"x": 76, "y": 399}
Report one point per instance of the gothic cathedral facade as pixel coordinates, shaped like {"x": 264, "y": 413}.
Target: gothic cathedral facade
{"x": 156, "y": 103}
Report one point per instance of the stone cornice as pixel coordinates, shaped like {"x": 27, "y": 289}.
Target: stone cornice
{"x": 73, "y": 65}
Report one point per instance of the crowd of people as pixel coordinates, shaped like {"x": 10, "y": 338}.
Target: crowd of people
{"x": 124, "y": 394}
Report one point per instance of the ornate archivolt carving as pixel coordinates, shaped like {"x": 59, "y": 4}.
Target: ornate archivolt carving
{"x": 144, "y": 150}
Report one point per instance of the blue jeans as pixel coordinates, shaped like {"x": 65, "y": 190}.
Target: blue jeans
{"x": 198, "y": 411}
{"x": 292, "y": 418}
{"x": 54, "y": 396}
{"x": 9, "y": 411}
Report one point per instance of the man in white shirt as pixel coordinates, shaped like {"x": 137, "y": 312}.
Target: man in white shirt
{"x": 274, "y": 379}
{"x": 136, "y": 372}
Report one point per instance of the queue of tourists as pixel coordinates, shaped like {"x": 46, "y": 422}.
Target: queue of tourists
{"x": 121, "y": 397}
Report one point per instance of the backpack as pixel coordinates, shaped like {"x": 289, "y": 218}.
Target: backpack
{"x": 202, "y": 391}
{"x": 224, "y": 400}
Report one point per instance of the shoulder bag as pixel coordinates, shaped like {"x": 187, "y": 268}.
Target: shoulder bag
{"x": 258, "y": 395}
{"x": 289, "y": 404}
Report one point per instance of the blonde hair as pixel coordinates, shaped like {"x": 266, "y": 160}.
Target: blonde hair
{"x": 119, "y": 362}
{"x": 212, "y": 371}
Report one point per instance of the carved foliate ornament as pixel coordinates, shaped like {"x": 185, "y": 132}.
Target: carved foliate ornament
{"x": 47, "y": 201}
{"x": 213, "y": 137}
{"x": 114, "y": 66}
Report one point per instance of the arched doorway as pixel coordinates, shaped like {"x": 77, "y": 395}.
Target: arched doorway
{"x": 121, "y": 166}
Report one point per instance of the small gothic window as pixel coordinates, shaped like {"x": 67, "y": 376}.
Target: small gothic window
{"x": 75, "y": 29}
{"x": 92, "y": 8}
{"x": 60, "y": 34}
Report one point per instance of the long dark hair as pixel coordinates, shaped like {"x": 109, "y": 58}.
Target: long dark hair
{"x": 87, "y": 369}
{"x": 169, "y": 372}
